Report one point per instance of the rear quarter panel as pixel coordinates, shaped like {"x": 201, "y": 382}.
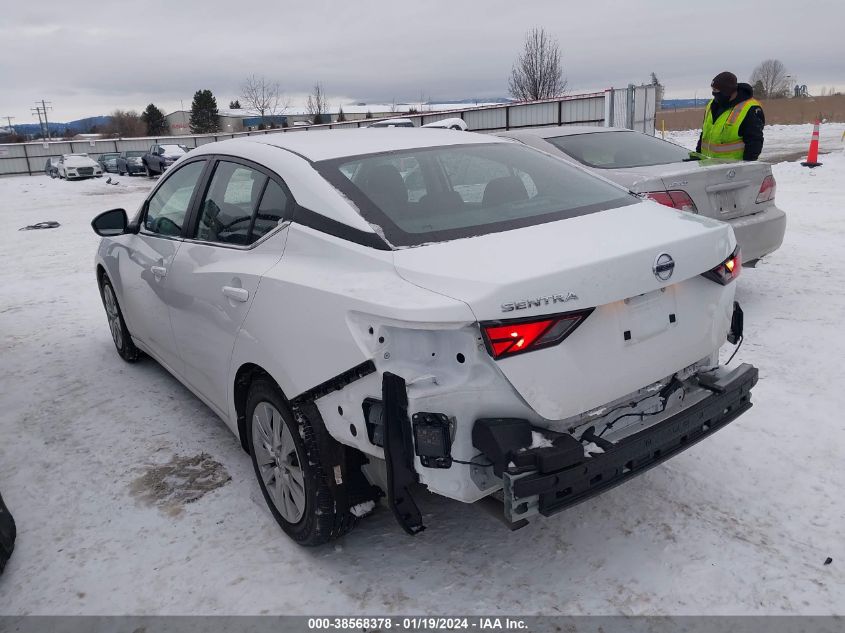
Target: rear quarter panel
{"x": 306, "y": 325}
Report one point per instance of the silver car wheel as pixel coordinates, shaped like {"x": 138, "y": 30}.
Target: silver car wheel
{"x": 278, "y": 462}
{"x": 113, "y": 316}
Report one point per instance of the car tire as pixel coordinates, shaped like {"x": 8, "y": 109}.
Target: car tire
{"x": 52, "y": 174}
{"x": 285, "y": 455}
{"x": 8, "y": 532}
{"x": 119, "y": 332}
{"x": 147, "y": 171}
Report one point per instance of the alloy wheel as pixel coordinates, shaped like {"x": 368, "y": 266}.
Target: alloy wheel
{"x": 113, "y": 315}
{"x": 278, "y": 461}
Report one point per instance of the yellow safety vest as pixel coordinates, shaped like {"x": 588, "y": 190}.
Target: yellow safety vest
{"x": 720, "y": 138}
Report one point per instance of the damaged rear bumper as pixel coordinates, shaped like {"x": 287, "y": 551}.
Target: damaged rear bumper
{"x": 547, "y": 491}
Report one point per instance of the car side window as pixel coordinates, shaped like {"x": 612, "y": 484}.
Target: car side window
{"x": 227, "y": 210}
{"x": 168, "y": 207}
{"x": 270, "y": 212}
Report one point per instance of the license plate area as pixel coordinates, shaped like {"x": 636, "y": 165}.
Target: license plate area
{"x": 648, "y": 315}
{"x": 725, "y": 202}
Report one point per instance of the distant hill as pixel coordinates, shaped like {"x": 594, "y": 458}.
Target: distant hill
{"x": 80, "y": 126}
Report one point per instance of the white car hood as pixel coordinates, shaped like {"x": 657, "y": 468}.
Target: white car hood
{"x": 80, "y": 161}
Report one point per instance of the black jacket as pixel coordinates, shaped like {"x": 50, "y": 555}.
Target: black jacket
{"x": 751, "y": 128}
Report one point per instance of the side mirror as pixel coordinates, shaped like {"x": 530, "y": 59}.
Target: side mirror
{"x": 110, "y": 223}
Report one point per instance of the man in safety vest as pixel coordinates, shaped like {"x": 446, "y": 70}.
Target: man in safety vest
{"x": 733, "y": 121}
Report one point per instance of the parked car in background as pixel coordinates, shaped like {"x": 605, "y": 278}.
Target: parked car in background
{"x": 108, "y": 162}
{"x": 450, "y": 124}
{"x": 77, "y": 166}
{"x": 506, "y": 327}
{"x": 393, "y": 123}
{"x": 739, "y": 193}
{"x": 160, "y": 157}
{"x": 51, "y": 166}
{"x": 130, "y": 162}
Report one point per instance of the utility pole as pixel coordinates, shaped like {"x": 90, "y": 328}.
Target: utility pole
{"x": 9, "y": 120}
{"x": 46, "y": 122}
{"x": 40, "y": 122}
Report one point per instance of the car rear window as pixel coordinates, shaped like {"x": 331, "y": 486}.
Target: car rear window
{"x": 436, "y": 194}
{"x": 618, "y": 150}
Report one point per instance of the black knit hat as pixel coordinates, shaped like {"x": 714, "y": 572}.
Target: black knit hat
{"x": 724, "y": 82}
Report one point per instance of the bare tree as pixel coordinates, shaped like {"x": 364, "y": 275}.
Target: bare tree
{"x": 316, "y": 104}
{"x": 772, "y": 77}
{"x": 537, "y": 73}
{"x": 263, "y": 96}
{"x": 125, "y": 123}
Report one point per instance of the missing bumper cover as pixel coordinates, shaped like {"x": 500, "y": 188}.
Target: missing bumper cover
{"x": 551, "y": 492}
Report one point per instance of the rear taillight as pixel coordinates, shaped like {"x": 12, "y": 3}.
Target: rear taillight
{"x": 728, "y": 270}
{"x": 767, "y": 189}
{"x": 676, "y": 199}
{"x": 507, "y": 338}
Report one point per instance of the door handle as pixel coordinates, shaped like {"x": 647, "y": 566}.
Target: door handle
{"x": 236, "y": 294}
{"x": 158, "y": 271}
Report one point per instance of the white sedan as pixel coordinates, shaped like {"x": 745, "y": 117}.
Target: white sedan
{"x": 76, "y": 166}
{"x": 371, "y": 311}
{"x": 452, "y": 123}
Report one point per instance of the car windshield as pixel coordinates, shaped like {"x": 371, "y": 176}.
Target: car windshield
{"x": 440, "y": 193}
{"x": 174, "y": 149}
{"x": 618, "y": 150}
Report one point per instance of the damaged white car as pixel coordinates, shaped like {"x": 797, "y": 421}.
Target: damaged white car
{"x": 369, "y": 312}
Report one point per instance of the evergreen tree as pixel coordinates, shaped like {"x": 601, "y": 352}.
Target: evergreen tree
{"x": 154, "y": 119}
{"x": 235, "y": 105}
{"x": 341, "y": 117}
{"x": 204, "y": 113}
{"x": 319, "y": 118}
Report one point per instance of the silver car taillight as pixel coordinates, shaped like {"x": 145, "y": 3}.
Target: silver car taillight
{"x": 767, "y": 189}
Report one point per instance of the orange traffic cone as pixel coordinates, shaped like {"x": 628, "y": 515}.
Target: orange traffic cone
{"x": 813, "y": 154}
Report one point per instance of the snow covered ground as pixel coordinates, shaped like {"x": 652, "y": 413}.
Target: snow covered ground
{"x": 781, "y": 142}
{"x": 739, "y": 524}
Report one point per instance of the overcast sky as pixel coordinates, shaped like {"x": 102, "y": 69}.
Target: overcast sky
{"x": 89, "y": 58}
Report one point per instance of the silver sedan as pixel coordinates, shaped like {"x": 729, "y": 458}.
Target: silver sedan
{"x": 739, "y": 193}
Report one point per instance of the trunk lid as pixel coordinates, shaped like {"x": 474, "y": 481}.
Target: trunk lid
{"x": 604, "y": 261}
{"x": 720, "y": 190}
